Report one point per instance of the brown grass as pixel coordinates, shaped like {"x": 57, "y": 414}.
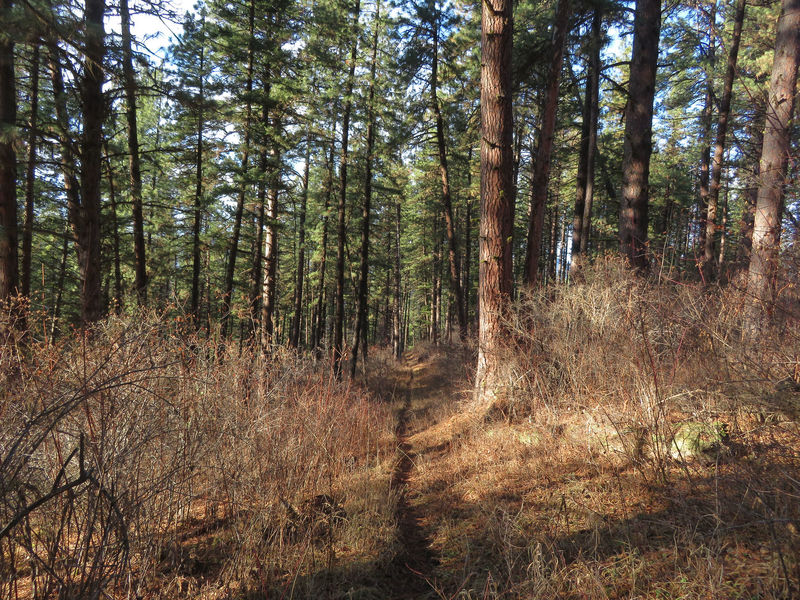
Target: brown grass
{"x": 642, "y": 451}
{"x": 194, "y": 468}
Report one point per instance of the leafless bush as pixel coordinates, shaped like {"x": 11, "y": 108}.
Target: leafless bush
{"x": 133, "y": 458}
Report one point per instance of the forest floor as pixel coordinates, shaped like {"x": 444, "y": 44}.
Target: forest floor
{"x": 491, "y": 506}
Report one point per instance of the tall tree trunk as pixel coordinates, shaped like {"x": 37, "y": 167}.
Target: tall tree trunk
{"x": 233, "y": 250}
{"x": 761, "y": 283}
{"x": 198, "y": 198}
{"x": 320, "y": 322}
{"x": 467, "y": 268}
{"x": 447, "y": 203}
{"x": 30, "y": 176}
{"x": 583, "y": 203}
{"x": 362, "y": 298}
{"x": 112, "y": 193}
{"x": 258, "y": 244}
{"x": 638, "y": 134}
{"x": 93, "y": 104}
{"x": 705, "y": 120}
{"x": 396, "y": 320}
{"x": 541, "y": 166}
{"x": 709, "y": 254}
{"x": 140, "y": 262}
{"x": 294, "y": 337}
{"x": 497, "y": 156}
{"x": 270, "y": 287}
{"x": 338, "y": 323}
{"x": 9, "y": 275}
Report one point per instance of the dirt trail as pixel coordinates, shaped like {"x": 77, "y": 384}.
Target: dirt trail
{"x": 413, "y": 569}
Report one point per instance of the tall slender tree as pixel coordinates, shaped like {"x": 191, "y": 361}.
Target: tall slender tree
{"x": 497, "y": 158}
{"x": 638, "y": 146}
{"x": 134, "y": 159}
{"x": 9, "y": 277}
{"x": 541, "y": 166}
{"x": 763, "y": 272}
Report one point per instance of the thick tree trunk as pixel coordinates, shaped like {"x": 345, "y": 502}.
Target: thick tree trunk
{"x": 30, "y": 176}
{"x": 447, "y": 203}
{"x": 362, "y": 298}
{"x": 583, "y": 203}
{"x": 338, "y": 323}
{"x": 9, "y": 275}
{"x": 294, "y": 337}
{"x": 763, "y": 272}
{"x": 93, "y": 104}
{"x": 541, "y": 166}
{"x": 129, "y": 75}
{"x": 709, "y": 253}
{"x": 497, "y": 156}
{"x": 638, "y": 134}
{"x": 230, "y": 270}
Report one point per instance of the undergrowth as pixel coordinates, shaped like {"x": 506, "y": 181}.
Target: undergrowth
{"x": 145, "y": 461}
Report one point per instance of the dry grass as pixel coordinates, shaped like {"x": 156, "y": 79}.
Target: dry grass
{"x": 642, "y": 451}
{"x": 188, "y": 469}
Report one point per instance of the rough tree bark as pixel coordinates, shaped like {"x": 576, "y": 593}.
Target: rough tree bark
{"x": 88, "y": 214}
{"x": 9, "y": 275}
{"x": 633, "y": 218}
{"x": 497, "y": 156}
{"x": 30, "y": 176}
{"x": 198, "y": 197}
{"x": 761, "y": 281}
{"x": 541, "y": 166}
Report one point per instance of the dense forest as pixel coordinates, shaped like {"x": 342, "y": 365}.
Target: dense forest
{"x": 226, "y": 250}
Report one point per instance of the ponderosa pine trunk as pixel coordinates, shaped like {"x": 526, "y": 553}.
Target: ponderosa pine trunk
{"x": 270, "y": 287}
{"x": 338, "y": 318}
{"x": 134, "y": 161}
{"x": 638, "y": 146}
{"x": 318, "y": 330}
{"x": 297, "y": 316}
{"x": 585, "y": 188}
{"x": 233, "y": 250}
{"x": 497, "y": 157}
{"x": 763, "y": 272}
{"x": 447, "y": 202}
{"x": 540, "y": 177}
{"x": 30, "y": 177}
{"x": 9, "y": 274}
{"x": 709, "y": 252}
{"x": 94, "y": 112}
{"x": 112, "y": 196}
{"x": 362, "y": 297}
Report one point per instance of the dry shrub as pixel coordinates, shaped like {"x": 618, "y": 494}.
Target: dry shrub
{"x": 144, "y": 459}
{"x": 644, "y": 449}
